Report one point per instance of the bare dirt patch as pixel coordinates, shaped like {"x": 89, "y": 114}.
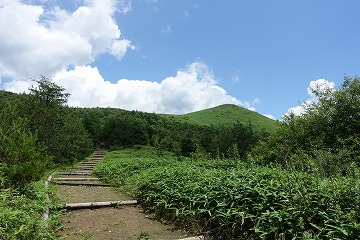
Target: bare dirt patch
{"x": 76, "y": 194}
{"x": 128, "y": 223}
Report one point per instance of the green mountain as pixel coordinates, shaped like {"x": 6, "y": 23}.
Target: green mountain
{"x": 226, "y": 114}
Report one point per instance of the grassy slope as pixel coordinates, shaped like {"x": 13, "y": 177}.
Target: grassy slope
{"x": 226, "y": 114}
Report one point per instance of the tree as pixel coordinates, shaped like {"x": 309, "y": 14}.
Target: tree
{"x": 329, "y": 125}
{"x": 124, "y": 130}
{"x": 50, "y": 119}
{"x": 23, "y": 159}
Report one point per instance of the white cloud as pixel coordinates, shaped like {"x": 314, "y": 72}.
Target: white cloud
{"x": 35, "y": 41}
{"x": 193, "y": 88}
{"x": 49, "y": 41}
{"x": 318, "y": 85}
{"x": 18, "y": 86}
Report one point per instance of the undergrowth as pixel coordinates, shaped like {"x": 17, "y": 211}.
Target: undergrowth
{"x": 228, "y": 200}
{"x": 21, "y": 215}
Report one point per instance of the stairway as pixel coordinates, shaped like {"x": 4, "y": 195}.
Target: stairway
{"x": 81, "y": 175}
{"x": 119, "y": 218}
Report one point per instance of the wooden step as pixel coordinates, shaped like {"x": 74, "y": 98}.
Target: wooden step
{"x": 75, "y": 179}
{"x": 79, "y": 168}
{"x": 91, "y": 205}
{"x": 194, "y": 238}
{"x": 87, "y": 165}
{"x": 88, "y": 183}
{"x": 75, "y": 173}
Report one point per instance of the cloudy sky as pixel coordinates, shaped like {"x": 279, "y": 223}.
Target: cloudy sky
{"x": 169, "y": 56}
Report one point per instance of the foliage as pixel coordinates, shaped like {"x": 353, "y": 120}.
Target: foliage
{"x": 21, "y": 215}
{"x": 124, "y": 130}
{"x": 234, "y": 141}
{"x": 48, "y": 117}
{"x": 241, "y": 201}
{"x": 22, "y": 158}
{"x": 116, "y": 127}
{"x": 131, "y": 164}
{"x": 327, "y": 133}
{"x": 5, "y": 97}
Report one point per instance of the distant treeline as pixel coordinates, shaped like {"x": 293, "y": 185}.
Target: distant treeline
{"x": 114, "y": 127}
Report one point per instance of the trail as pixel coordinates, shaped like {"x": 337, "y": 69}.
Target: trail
{"x": 95, "y": 210}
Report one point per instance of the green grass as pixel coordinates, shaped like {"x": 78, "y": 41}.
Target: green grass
{"x": 230, "y": 200}
{"x": 21, "y": 216}
{"x": 225, "y": 114}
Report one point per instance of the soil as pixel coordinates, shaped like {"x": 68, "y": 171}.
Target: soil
{"x": 115, "y": 223}
{"x": 75, "y": 194}
{"x": 120, "y": 223}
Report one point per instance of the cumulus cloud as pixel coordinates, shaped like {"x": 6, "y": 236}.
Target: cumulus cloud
{"x": 192, "y": 88}
{"x": 36, "y": 41}
{"x": 317, "y": 85}
{"x": 60, "y": 44}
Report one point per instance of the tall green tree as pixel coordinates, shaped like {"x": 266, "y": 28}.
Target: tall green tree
{"x": 50, "y": 119}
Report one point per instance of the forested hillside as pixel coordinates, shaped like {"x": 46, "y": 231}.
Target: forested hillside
{"x": 115, "y": 127}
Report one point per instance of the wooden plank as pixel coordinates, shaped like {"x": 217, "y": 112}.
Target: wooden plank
{"x": 82, "y": 172}
{"x": 75, "y": 173}
{"x": 89, "y": 184}
{"x": 193, "y": 238}
{"x": 72, "y": 206}
{"x": 75, "y": 179}
{"x": 46, "y": 213}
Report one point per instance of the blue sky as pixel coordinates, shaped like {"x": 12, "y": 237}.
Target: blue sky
{"x": 263, "y": 54}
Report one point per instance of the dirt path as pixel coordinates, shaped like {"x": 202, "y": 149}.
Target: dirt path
{"x": 120, "y": 222}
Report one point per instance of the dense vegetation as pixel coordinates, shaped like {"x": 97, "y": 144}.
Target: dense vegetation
{"x": 300, "y": 182}
{"x": 37, "y": 131}
{"x": 228, "y": 199}
{"x": 324, "y": 138}
{"x": 114, "y": 127}
{"x": 247, "y": 178}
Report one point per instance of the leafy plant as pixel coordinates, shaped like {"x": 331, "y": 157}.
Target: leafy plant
{"x": 241, "y": 201}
